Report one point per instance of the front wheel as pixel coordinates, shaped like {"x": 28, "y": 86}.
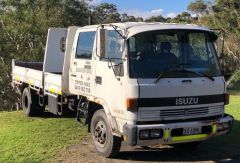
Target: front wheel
{"x": 104, "y": 141}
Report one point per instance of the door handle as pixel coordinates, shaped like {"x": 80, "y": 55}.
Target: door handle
{"x": 73, "y": 75}
{"x": 98, "y": 80}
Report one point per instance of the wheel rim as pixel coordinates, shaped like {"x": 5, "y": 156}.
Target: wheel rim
{"x": 100, "y": 133}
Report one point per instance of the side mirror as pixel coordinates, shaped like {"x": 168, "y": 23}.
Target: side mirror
{"x": 220, "y": 47}
{"x": 221, "y": 63}
{"x": 103, "y": 42}
{"x": 218, "y": 37}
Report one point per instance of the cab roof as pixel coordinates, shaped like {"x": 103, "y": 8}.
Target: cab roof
{"x": 134, "y": 28}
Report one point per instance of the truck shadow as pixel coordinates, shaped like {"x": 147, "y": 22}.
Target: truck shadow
{"x": 47, "y": 115}
{"x": 220, "y": 149}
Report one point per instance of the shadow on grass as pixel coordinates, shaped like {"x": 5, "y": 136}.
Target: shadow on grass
{"x": 220, "y": 149}
{"x": 47, "y": 114}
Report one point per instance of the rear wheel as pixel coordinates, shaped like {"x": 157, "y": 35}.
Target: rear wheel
{"x": 104, "y": 141}
{"x": 30, "y": 103}
{"x": 27, "y": 102}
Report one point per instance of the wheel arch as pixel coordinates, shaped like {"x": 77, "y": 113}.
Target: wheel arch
{"x": 98, "y": 104}
{"x": 24, "y": 85}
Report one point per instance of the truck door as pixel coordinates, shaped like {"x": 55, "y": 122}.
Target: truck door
{"x": 81, "y": 63}
{"x": 109, "y": 75}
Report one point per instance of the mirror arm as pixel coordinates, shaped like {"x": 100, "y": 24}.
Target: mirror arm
{"x": 111, "y": 66}
{"x": 115, "y": 28}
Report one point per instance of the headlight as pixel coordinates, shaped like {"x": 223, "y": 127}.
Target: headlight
{"x": 144, "y": 134}
{"x": 155, "y": 134}
{"x": 150, "y": 134}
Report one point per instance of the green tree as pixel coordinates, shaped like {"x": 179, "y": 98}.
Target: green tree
{"x": 226, "y": 16}
{"x": 126, "y": 18}
{"x": 184, "y": 17}
{"x": 23, "y": 32}
{"x": 159, "y": 18}
{"x": 105, "y": 13}
{"x": 198, "y": 7}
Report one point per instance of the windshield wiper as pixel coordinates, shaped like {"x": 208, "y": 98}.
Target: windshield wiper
{"x": 205, "y": 75}
{"x": 184, "y": 71}
{"x": 168, "y": 70}
{"x": 194, "y": 72}
{"x": 178, "y": 65}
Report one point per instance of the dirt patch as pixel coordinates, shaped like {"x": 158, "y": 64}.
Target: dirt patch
{"x": 85, "y": 153}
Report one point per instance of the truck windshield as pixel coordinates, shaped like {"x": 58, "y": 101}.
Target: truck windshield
{"x": 152, "y": 53}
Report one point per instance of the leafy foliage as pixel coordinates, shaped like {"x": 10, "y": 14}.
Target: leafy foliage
{"x": 197, "y": 7}
{"x": 225, "y": 16}
{"x": 126, "y": 18}
{"x": 105, "y": 13}
{"x": 159, "y": 18}
{"x": 23, "y": 32}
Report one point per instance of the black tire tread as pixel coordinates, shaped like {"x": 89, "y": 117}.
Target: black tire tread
{"x": 116, "y": 146}
{"x": 34, "y": 108}
{"x": 115, "y": 142}
{"x": 28, "y": 110}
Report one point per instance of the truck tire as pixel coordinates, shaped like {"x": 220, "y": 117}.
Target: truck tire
{"x": 28, "y": 103}
{"x": 104, "y": 141}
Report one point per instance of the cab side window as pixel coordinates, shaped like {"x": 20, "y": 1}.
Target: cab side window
{"x": 115, "y": 45}
{"x": 85, "y": 45}
{"x": 115, "y": 51}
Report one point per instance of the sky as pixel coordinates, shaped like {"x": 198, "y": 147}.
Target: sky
{"x": 148, "y": 8}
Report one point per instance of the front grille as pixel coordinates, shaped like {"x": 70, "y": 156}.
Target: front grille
{"x": 186, "y": 113}
{"x": 183, "y": 112}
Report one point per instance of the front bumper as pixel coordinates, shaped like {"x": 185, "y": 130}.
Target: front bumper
{"x": 172, "y": 133}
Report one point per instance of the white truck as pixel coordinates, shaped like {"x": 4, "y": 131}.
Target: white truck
{"x": 143, "y": 83}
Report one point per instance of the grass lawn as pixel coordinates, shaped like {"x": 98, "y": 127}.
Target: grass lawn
{"x": 24, "y": 139}
{"x": 227, "y": 146}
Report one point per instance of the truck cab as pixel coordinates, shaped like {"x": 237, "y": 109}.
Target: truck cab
{"x": 143, "y": 83}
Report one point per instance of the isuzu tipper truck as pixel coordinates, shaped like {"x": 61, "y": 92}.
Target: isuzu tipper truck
{"x": 143, "y": 83}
